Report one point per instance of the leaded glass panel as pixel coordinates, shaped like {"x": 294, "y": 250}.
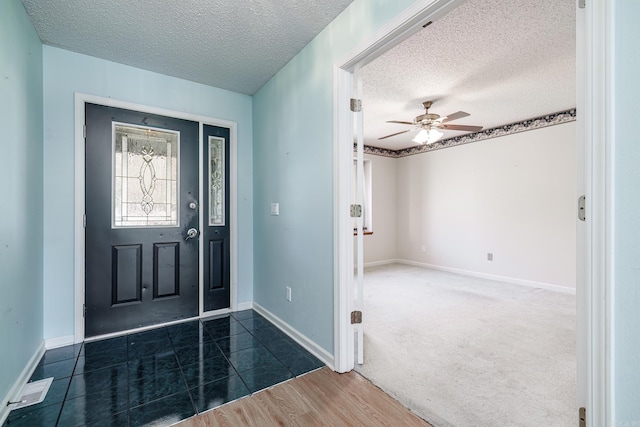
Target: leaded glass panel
{"x": 216, "y": 181}
{"x": 145, "y": 176}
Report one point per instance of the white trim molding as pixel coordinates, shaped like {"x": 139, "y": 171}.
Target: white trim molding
{"x": 343, "y": 342}
{"x": 296, "y": 335}
{"x": 386, "y": 37}
{"x": 244, "y": 306}
{"x": 595, "y": 131}
{"x": 498, "y": 278}
{"x": 80, "y": 100}
{"x": 56, "y": 342}
{"x": 403, "y": 26}
{"x": 596, "y": 71}
{"x": 16, "y": 389}
{"x": 378, "y": 263}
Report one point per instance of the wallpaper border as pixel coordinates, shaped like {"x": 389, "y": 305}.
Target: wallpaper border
{"x": 509, "y": 129}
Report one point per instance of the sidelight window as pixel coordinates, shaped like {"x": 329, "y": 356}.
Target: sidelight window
{"x": 216, "y": 181}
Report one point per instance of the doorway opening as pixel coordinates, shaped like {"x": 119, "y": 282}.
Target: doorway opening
{"x": 398, "y": 30}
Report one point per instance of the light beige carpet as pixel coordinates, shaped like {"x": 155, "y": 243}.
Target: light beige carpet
{"x": 462, "y": 351}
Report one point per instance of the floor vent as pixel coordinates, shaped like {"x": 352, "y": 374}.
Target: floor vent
{"x": 32, "y": 393}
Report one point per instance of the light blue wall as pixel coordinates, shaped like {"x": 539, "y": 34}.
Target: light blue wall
{"x": 20, "y": 193}
{"x": 67, "y": 72}
{"x": 626, "y": 332}
{"x": 293, "y": 155}
{"x": 293, "y": 165}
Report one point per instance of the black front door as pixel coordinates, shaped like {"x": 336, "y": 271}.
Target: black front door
{"x": 215, "y": 233}
{"x": 142, "y": 219}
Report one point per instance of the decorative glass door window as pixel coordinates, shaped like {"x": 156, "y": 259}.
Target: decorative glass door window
{"x": 216, "y": 181}
{"x": 145, "y": 176}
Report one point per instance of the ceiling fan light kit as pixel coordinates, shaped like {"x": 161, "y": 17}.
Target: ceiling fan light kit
{"x": 430, "y": 125}
{"x": 429, "y": 136}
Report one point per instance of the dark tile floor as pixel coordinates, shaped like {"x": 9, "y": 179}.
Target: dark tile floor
{"x": 161, "y": 376}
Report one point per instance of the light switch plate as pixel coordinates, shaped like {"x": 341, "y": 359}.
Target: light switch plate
{"x": 275, "y": 208}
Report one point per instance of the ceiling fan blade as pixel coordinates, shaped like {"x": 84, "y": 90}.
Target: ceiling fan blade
{"x": 455, "y": 116}
{"x": 394, "y": 134}
{"x": 399, "y": 122}
{"x": 465, "y": 128}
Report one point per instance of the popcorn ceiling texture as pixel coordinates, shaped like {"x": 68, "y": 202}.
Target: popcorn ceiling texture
{"x": 502, "y": 61}
{"x": 234, "y": 45}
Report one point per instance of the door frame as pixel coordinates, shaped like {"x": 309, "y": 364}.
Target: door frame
{"x": 80, "y": 100}
{"x": 594, "y": 292}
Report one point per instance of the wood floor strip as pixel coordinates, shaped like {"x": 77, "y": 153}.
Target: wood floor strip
{"x": 319, "y": 398}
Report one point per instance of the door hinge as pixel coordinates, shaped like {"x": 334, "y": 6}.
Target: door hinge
{"x": 356, "y": 211}
{"x": 356, "y": 317}
{"x": 356, "y": 105}
{"x": 84, "y": 220}
{"x": 84, "y": 310}
{"x": 582, "y": 417}
{"x": 84, "y": 131}
{"x": 581, "y": 208}
{"x": 582, "y": 4}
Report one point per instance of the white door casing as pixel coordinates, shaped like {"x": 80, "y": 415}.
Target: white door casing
{"x": 359, "y": 285}
{"x": 388, "y": 36}
{"x": 594, "y": 38}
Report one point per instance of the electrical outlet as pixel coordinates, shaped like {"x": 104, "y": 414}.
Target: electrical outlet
{"x": 288, "y": 294}
{"x": 424, "y": 248}
{"x": 489, "y": 256}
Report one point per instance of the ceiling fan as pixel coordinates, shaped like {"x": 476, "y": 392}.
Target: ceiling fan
{"x": 430, "y": 125}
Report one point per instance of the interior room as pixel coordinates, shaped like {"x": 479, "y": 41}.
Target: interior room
{"x": 471, "y": 212}
{"x": 255, "y": 87}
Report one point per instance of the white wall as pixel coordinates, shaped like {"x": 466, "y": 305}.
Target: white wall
{"x": 513, "y": 196}
{"x": 381, "y": 245}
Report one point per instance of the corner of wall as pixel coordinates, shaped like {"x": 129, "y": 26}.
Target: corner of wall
{"x": 23, "y": 378}
{"x": 21, "y": 68}
{"x": 297, "y": 336}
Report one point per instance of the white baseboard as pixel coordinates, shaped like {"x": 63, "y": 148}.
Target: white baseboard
{"x": 16, "y": 389}
{"x": 512, "y": 280}
{"x": 245, "y": 306}
{"x": 56, "y": 342}
{"x": 377, "y": 263}
{"x": 297, "y": 336}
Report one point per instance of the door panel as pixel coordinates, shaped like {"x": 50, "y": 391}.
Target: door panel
{"x": 141, "y": 177}
{"x": 166, "y": 277}
{"x": 215, "y": 208}
{"x": 216, "y": 262}
{"x": 126, "y": 269}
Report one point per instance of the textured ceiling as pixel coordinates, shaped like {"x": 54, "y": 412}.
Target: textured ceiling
{"x": 502, "y": 61}
{"x": 231, "y": 44}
